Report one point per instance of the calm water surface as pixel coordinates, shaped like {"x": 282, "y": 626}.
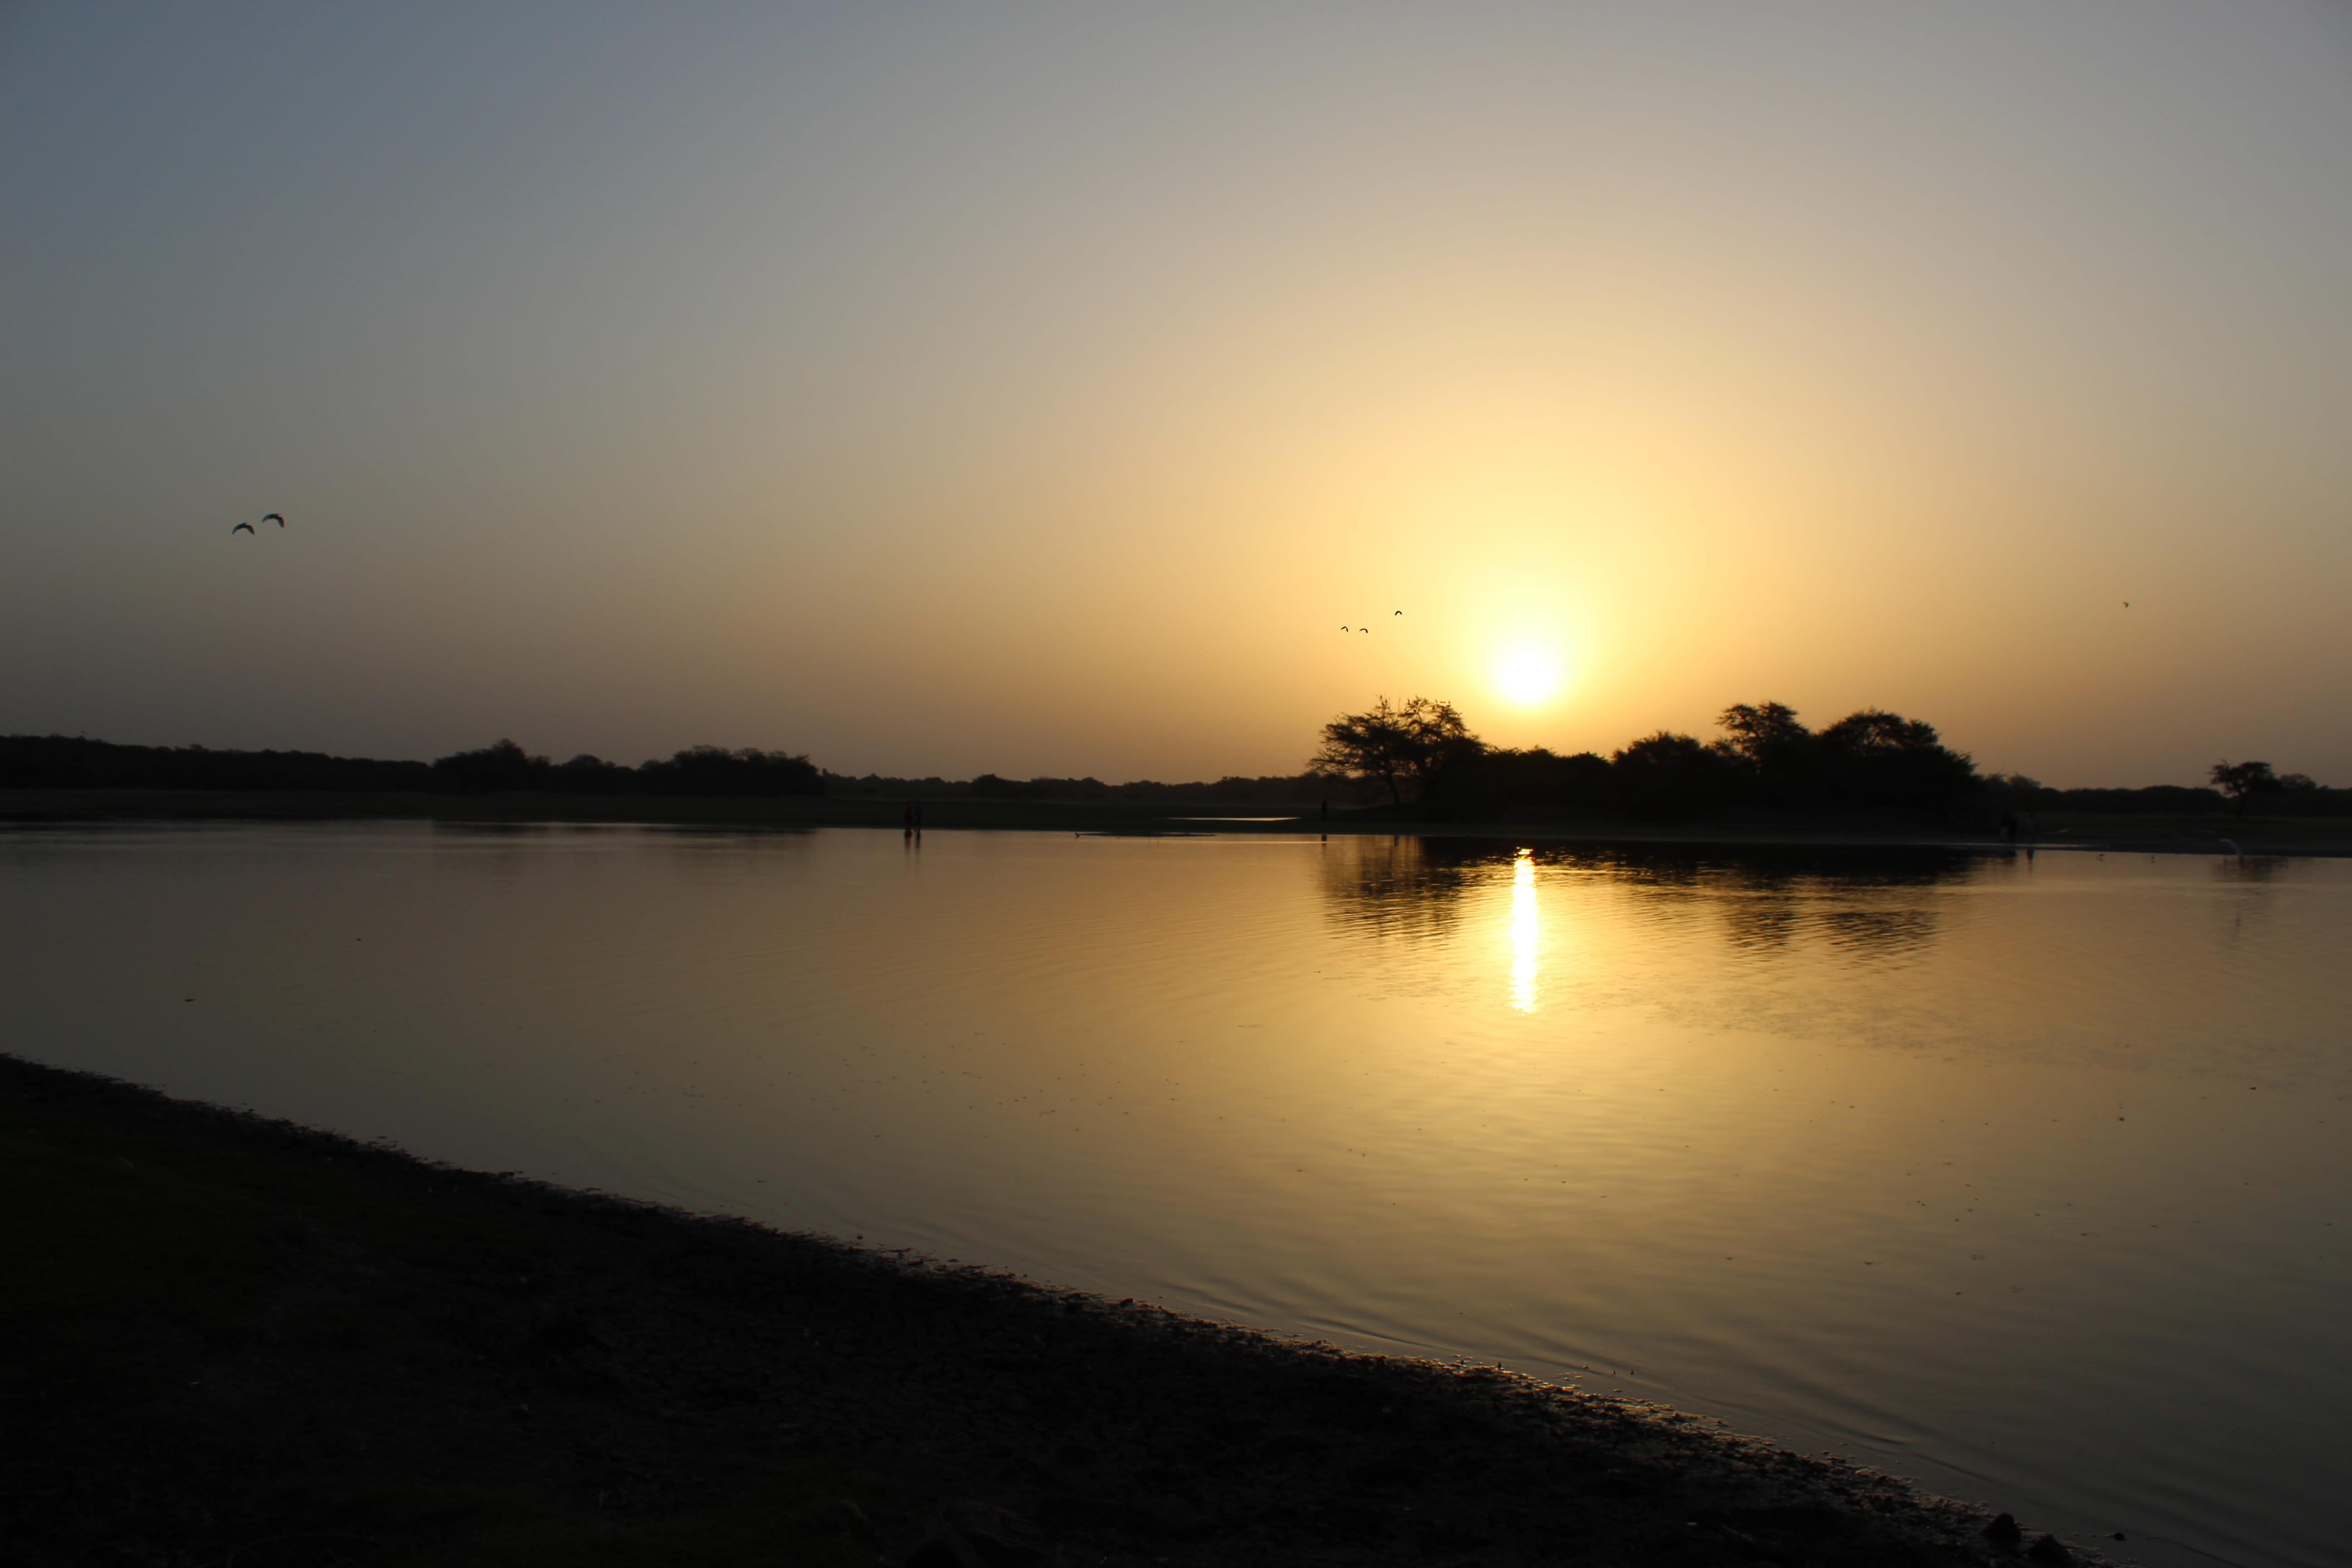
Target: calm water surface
{"x": 2026, "y": 1179}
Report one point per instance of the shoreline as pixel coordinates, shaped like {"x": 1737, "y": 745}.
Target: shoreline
{"x": 252, "y": 1339}
{"x": 2146, "y": 835}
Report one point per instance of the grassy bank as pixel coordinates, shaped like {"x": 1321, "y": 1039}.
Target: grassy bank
{"x": 233, "y": 1343}
{"x": 2187, "y": 835}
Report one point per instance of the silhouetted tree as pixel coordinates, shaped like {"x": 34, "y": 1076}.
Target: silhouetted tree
{"x": 1760, "y": 731}
{"x": 587, "y": 774}
{"x": 2243, "y": 781}
{"x": 1780, "y": 759}
{"x": 714, "y": 770}
{"x": 1876, "y": 759}
{"x": 2300, "y": 794}
{"x": 502, "y": 765}
{"x": 1872, "y": 760}
{"x": 1394, "y": 746}
{"x": 1493, "y": 784}
{"x": 1667, "y": 777}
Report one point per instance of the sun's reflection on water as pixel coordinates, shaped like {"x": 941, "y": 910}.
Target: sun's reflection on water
{"x": 1892, "y": 1081}
{"x": 1525, "y": 935}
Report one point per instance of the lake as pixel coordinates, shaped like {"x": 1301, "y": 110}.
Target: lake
{"x": 2022, "y": 1176}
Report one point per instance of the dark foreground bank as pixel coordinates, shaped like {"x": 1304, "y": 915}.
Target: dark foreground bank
{"x": 228, "y": 1342}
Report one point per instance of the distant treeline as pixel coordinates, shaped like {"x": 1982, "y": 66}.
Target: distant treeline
{"x": 1420, "y": 759}
{"x": 1766, "y": 760}
{"x": 68, "y": 762}
{"x": 1287, "y": 788}
{"x": 1431, "y": 767}
{"x": 2296, "y": 795}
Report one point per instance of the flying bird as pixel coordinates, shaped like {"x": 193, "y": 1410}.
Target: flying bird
{"x": 1399, "y": 612}
{"x": 280, "y": 519}
{"x": 244, "y": 527}
{"x": 1347, "y": 628}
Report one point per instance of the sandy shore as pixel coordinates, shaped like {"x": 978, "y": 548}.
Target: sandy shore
{"x": 241, "y": 1341}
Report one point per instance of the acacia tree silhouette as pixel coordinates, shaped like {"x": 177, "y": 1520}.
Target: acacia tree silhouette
{"x": 1780, "y": 756}
{"x": 2243, "y": 781}
{"x": 1394, "y": 746}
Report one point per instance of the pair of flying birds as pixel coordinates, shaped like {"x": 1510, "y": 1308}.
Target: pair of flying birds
{"x": 277, "y": 517}
{"x": 1363, "y": 629}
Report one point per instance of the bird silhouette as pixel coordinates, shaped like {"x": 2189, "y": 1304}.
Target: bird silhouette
{"x": 277, "y": 517}
{"x": 1347, "y": 628}
{"x": 242, "y": 527}
{"x": 1399, "y": 612}
{"x": 1366, "y": 630}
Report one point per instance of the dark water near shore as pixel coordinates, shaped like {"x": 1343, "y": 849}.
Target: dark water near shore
{"x": 2026, "y": 1179}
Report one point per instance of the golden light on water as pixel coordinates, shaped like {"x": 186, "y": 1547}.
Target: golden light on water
{"x": 1525, "y": 937}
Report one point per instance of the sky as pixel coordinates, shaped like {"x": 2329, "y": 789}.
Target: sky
{"x": 1039, "y": 388}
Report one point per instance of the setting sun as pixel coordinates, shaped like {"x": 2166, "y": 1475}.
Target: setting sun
{"x": 1528, "y": 676}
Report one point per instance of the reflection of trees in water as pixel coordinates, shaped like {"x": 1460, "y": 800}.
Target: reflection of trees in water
{"x": 1863, "y": 901}
{"x": 1879, "y": 932}
{"x": 502, "y": 850}
{"x": 2246, "y": 903}
{"x": 506, "y": 849}
{"x": 1401, "y": 887}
